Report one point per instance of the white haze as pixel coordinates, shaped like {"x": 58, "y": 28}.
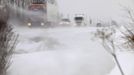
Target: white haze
{"x": 100, "y": 9}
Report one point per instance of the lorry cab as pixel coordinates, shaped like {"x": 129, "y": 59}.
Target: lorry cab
{"x": 38, "y": 13}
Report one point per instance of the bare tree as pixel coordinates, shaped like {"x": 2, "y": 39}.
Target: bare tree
{"x": 7, "y": 41}
{"x": 129, "y": 29}
{"x": 105, "y": 34}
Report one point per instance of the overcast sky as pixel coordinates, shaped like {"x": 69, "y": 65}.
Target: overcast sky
{"x": 93, "y": 8}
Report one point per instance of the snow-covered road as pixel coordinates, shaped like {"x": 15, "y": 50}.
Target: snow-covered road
{"x": 59, "y": 51}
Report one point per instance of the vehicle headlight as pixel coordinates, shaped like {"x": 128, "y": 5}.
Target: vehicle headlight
{"x": 42, "y": 24}
{"x": 29, "y": 24}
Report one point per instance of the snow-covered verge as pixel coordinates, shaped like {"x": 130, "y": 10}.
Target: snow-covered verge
{"x": 126, "y": 60}
{"x": 125, "y": 54}
{"x": 123, "y": 51}
{"x": 75, "y": 53}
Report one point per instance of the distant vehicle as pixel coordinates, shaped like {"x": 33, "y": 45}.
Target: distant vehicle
{"x": 79, "y": 19}
{"x": 65, "y": 22}
{"x": 38, "y": 12}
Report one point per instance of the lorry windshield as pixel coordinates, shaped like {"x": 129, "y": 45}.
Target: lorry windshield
{"x": 37, "y": 7}
{"x": 39, "y": 1}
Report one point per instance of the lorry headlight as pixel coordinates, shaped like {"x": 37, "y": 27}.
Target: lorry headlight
{"x": 29, "y": 24}
{"x": 42, "y": 24}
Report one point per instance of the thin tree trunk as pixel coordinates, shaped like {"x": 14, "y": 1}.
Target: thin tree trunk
{"x": 118, "y": 64}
